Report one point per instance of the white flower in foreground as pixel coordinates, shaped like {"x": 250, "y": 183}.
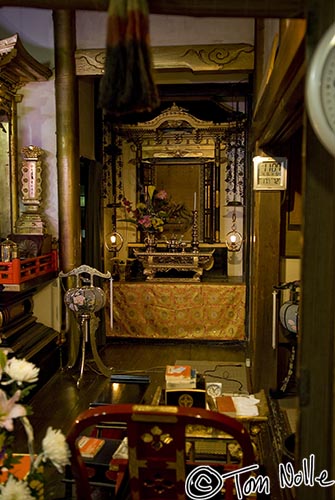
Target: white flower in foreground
{"x": 9, "y": 410}
{"x": 56, "y": 449}
{"x": 15, "y": 490}
{"x": 21, "y": 370}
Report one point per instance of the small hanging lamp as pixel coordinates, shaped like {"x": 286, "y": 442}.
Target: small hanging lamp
{"x": 234, "y": 239}
{"x": 114, "y": 242}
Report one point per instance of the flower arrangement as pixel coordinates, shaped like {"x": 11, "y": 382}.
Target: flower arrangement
{"x": 150, "y": 215}
{"x": 157, "y": 209}
{"x": 17, "y": 379}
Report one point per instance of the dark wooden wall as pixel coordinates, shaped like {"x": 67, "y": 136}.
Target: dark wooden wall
{"x": 317, "y": 312}
{"x": 272, "y": 128}
{"x": 316, "y": 422}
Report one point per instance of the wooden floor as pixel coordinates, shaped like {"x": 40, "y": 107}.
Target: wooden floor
{"x": 59, "y": 401}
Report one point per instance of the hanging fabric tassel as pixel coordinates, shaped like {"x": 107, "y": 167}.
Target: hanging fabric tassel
{"x": 127, "y": 85}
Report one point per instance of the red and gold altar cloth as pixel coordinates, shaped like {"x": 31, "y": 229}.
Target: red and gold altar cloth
{"x": 178, "y": 311}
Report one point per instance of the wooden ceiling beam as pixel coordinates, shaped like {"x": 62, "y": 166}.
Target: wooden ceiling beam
{"x": 196, "y": 8}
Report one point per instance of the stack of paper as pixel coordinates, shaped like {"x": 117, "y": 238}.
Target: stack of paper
{"x": 246, "y": 406}
{"x": 238, "y": 406}
{"x": 180, "y": 377}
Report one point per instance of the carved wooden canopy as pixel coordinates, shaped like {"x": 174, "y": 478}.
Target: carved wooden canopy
{"x": 175, "y": 133}
{"x": 17, "y": 66}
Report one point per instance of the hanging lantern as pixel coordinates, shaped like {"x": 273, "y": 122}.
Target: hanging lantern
{"x": 114, "y": 242}
{"x": 234, "y": 239}
{"x": 289, "y": 316}
{"x": 289, "y": 310}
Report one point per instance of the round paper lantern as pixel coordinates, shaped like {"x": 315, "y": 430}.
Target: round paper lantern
{"x": 289, "y": 316}
{"x": 85, "y": 299}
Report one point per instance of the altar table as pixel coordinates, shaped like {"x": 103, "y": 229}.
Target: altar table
{"x": 204, "y": 311}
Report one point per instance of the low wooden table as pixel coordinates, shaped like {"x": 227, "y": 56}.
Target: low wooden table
{"x": 217, "y": 442}
{"x": 154, "y": 262}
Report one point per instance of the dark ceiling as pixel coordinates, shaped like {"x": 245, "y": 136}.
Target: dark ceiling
{"x": 219, "y": 103}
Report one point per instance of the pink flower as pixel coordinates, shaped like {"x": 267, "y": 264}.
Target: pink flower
{"x": 161, "y": 195}
{"x": 145, "y": 221}
{"x": 9, "y": 410}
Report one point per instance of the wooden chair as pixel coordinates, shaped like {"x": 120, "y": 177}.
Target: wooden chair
{"x": 159, "y": 456}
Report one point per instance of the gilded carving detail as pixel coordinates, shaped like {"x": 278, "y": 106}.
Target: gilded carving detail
{"x": 207, "y": 57}
{"x": 156, "y": 438}
{"x": 197, "y": 58}
{"x": 180, "y": 467}
{"x": 133, "y": 463}
{"x": 157, "y": 409}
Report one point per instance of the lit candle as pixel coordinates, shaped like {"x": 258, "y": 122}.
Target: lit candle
{"x": 195, "y": 201}
{"x": 274, "y": 318}
{"x": 111, "y": 302}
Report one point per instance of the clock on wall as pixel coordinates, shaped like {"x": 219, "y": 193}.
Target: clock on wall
{"x": 270, "y": 173}
{"x": 320, "y": 90}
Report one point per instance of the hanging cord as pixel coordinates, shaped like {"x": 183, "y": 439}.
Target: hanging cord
{"x": 225, "y": 375}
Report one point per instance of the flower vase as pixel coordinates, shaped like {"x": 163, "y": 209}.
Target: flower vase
{"x": 150, "y": 241}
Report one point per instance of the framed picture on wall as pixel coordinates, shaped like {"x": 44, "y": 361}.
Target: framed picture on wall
{"x": 270, "y": 173}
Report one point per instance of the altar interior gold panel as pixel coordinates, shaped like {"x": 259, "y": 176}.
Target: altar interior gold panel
{"x": 203, "y": 311}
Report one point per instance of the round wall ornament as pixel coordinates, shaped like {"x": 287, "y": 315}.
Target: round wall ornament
{"x": 320, "y": 90}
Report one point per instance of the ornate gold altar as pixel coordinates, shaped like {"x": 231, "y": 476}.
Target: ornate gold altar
{"x": 204, "y": 311}
{"x": 163, "y": 262}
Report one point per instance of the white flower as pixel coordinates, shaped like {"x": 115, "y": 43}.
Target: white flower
{"x": 55, "y": 449}
{"x": 9, "y": 409}
{"x": 21, "y": 370}
{"x": 15, "y": 490}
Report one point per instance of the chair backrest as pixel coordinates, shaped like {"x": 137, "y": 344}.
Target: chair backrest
{"x": 159, "y": 460}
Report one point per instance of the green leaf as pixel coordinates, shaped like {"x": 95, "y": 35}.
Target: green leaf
{"x": 132, "y": 221}
{"x": 3, "y": 359}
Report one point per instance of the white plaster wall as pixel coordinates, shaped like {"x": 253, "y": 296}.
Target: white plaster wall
{"x": 37, "y": 126}
{"x": 169, "y": 30}
{"x": 185, "y": 30}
{"x": 290, "y": 271}
{"x": 35, "y": 29}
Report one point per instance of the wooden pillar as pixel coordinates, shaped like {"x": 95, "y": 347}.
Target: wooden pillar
{"x": 14, "y": 166}
{"x": 259, "y": 55}
{"x": 264, "y": 274}
{"x": 68, "y": 163}
{"x": 264, "y": 259}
